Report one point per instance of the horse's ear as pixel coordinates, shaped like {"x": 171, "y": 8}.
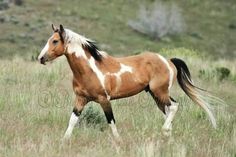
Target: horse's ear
{"x": 61, "y": 29}
{"x": 54, "y": 28}
{"x": 62, "y": 32}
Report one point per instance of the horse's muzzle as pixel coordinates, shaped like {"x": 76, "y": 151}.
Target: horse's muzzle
{"x": 42, "y": 60}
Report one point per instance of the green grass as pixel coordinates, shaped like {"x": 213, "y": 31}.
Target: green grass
{"x": 27, "y": 28}
{"x": 36, "y": 102}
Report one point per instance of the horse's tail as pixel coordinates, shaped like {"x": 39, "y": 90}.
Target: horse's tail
{"x": 185, "y": 82}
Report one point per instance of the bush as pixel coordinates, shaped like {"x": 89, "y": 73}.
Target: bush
{"x": 18, "y": 2}
{"x": 93, "y": 116}
{"x": 220, "y": 73}
{"x": 3, "y": 5}
{"x": 159, "y": 21}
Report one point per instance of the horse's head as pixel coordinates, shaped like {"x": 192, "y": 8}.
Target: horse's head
{"x": 54, "y": 47}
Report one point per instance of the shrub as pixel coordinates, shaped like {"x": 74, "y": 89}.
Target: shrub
{"x": 93, "y": 116}
{"x": 3, "y": 5}
{"x": 159, "y": 21}
{"x": 16, "y": 2}
{"x": 220, "y": 73}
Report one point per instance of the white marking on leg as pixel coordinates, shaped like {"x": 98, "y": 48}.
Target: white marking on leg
{"x": 165, "y": 115}
{"x": 72, "y": 122}
{"x": 171, "y": 72}
{"x": 114, "y": 129}
{"x": 172, "y": 109}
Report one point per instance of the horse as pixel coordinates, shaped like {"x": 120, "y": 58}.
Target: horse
{"x": 100, "y": 77}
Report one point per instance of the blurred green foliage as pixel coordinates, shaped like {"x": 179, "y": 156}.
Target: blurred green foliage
{"x": 210, "y": 26}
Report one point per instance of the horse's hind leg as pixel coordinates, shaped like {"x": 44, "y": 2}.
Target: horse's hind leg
{"x": 161, "y": 105}
{"x": 170, "y": 113}
{"x": 168, "y": 106}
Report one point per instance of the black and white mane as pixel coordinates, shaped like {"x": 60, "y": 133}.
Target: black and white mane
{"x": 77, "y": 43}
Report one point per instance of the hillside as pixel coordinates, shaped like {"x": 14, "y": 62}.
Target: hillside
{"x": 210, "y": 26}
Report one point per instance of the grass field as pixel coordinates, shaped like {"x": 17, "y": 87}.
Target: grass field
{"x": 36, "y": 102}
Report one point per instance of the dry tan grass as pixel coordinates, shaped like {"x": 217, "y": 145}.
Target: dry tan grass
{"x": 36, "y": 101}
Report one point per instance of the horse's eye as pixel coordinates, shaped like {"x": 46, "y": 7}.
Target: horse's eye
{"x": 55, "y": 42}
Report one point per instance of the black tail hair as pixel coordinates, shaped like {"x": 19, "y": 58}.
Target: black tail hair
{"x": 185, "y": 82}
{"x": 182, "y": 69}
{"x": 183, "y": 73}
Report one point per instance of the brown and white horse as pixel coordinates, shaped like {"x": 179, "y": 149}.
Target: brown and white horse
{"x": 100, "y": 77}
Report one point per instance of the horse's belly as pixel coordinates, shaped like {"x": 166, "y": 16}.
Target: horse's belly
{"x": 126, "y": 85}
{"x": 126, "y": 93}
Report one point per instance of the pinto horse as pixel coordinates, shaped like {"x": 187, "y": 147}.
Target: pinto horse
{"x": 100, "y": 77}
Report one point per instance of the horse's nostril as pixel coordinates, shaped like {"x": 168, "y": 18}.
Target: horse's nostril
{"x": 42, "y": 60}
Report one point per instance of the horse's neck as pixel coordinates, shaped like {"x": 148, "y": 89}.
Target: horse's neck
{"x": 78, "y": 65}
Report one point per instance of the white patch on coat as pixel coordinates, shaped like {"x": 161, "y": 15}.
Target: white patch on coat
{"x": 171, "y": 72}
{"x": 123, "y": 69}
{"x": 99, "y": 74}
{"x": 74, "y": 43}
{"x": 44, "y": 50}
{"x": 72, "y": 122}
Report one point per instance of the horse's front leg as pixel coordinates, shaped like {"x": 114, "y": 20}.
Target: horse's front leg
{"x": 106, "y": 106}
{"x": 75, "y": 115}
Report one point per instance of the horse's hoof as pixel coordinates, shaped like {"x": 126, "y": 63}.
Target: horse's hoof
{"x": 65, "y": 139}
{"x": 118, "y": 139}
{"x": 166, "y": 132}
